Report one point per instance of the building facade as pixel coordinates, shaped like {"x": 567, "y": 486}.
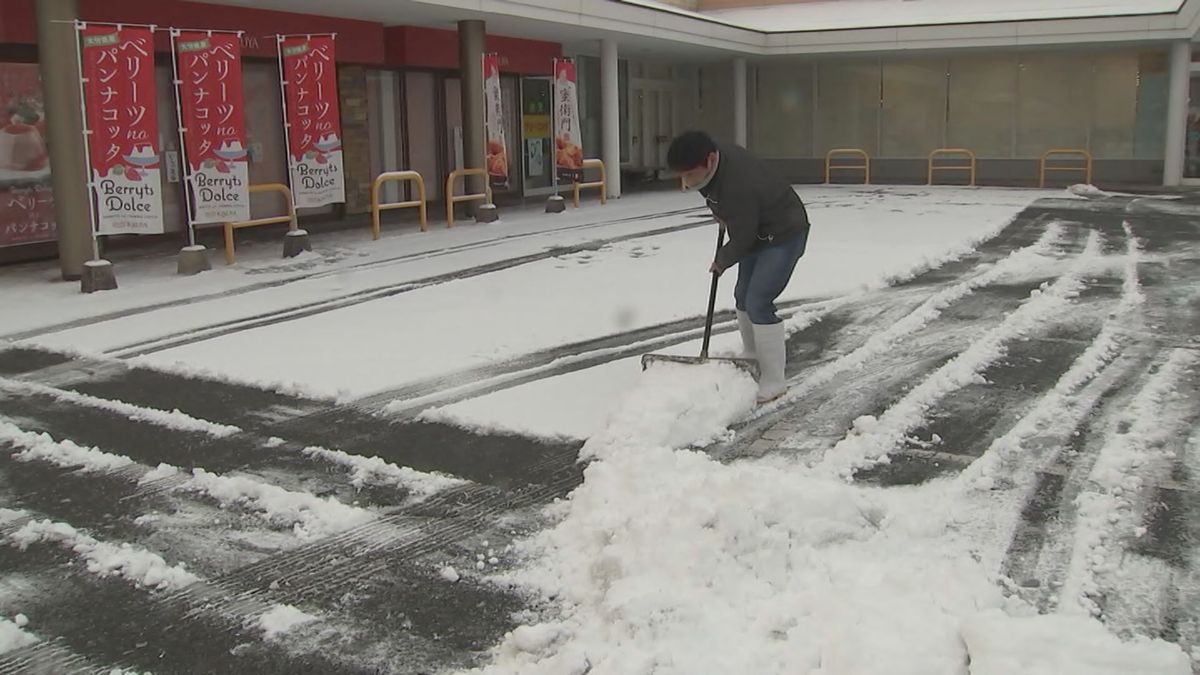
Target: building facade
{"x": 791, "y": 81}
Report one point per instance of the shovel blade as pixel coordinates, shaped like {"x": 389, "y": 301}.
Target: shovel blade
{"x": 748, "y": 365}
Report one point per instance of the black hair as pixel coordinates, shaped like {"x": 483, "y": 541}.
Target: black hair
{"x": 690, "y": 150}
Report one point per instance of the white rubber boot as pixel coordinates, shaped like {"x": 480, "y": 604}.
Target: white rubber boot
{"x": 747, "y": 330}
{"x": 772, "y": 356}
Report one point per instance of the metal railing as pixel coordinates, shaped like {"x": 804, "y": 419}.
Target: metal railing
{"x": 602, "y": 183}
{"x": 290, "y": 218}
{"x": 848, "y": 153}
{"x": 969, "y": 167}
{"x": 392, "y": 176}
{"x": 452, "y": 199}
{"x": 1066, "y": 154}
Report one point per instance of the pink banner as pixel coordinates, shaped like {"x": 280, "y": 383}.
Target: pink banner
{"x": 568, "y": 145}
{"x": 122, "y": 113}
{"x": 497, "y": 147}
{"x": 314, "y": 124}
{"x": 214, "y": 122}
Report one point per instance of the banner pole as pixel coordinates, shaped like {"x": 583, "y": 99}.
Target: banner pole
{"x": 87, "y": 140}
{"x": 554, "y": 126}
{"x": 287, "y": 127}
{"x": 187, "y": 167}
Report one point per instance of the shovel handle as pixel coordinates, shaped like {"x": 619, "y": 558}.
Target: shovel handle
{"x": 712, "y": 296}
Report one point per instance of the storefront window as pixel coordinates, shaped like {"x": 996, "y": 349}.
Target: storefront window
{"x": 913, "y": 120}
{"x": 1114, "y": 108}
{"x": 782, "y": 105}
{"x": 538, "y": 159}
{"x": 982, "y": 98}
{"x": 848, "y": 106}
{"x": 1055, "y": 96}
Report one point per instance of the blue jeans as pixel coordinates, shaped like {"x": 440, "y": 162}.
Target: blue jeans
{"x": 762, "y": 276}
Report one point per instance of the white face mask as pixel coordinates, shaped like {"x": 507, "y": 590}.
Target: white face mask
{"x": 708, "y": 176}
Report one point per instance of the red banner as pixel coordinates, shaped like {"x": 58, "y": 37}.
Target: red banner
{"x": 26, "y": 200}
{"x": 497, "y": 148}
{"x": 214, "y": 123}
{"x": 568, "y": 145}
{"x": 119, "y": 90}
{"x": 314, "y": 125}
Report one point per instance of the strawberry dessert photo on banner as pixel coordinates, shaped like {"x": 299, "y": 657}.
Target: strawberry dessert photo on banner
{"x": 26, "y": 199}
{"x": 497, "y": 147}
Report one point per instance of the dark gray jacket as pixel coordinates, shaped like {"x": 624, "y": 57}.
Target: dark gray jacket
{"x": 757, "y": 206}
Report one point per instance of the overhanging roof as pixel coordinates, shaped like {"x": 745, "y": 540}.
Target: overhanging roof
{"x": 654, "y": 29}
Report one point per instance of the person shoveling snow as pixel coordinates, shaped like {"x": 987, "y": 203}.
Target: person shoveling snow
{"x": 768, "y": 233}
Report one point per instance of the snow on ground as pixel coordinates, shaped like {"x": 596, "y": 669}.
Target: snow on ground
{"x": 1126, "y": 463}
{"x": 663, "y": 560}
{"x": 169, "y": 419}
{"x": 373, "y": 470}
{"x": 770, "y": 567}
{"x": 871, "y": 439}
{"x": 860, "y": 237}
{"x": 138, "y": 565}
{"x": 281, "y": 619}
{"x": 12, "y": 636}
{"x": 308, "y": 516}
{"x": 67, "y": 454}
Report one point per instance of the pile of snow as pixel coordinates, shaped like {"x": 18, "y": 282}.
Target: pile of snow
{"x": 42, "y": 447}
{"x": 1062, "y": 645}
{"x": 281, "y": 619}
{"x": 665, "y": 561}
{"x": 11, "y": 635}
{"x": 309, "y": 516}
{"x": 104, "y": 559}
{"x": 676, "y": 406}
{"x": 373, "y": 470}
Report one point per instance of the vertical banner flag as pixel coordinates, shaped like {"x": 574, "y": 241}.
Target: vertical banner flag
{"x": 314, "y": 125}
{"x": 497, "y": 149}
{"x": 26, "y": 200}
{"x": 122, "y": 114}
{"x": 568, "y": 146}
{"x": 214, "y": 123}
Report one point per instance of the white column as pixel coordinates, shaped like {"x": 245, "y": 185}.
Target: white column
{"x": 1177, "y": 107}
{"x": 610, "y": 105}
{"x": 739, "y": 101}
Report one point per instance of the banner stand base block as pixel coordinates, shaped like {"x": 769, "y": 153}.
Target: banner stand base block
{"x": 556, "y": 204}
{"x": 295, "y": 243}
{"x": 193, "y": 260}
{"x": 97, "y": 275}
{"x": 487, "y": 213}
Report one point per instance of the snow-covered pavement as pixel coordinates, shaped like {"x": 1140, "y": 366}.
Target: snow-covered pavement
{"x": 438, "y": 452}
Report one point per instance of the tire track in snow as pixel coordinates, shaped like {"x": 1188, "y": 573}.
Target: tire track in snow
{"x": 1007, "y": 492}
{"x": 153, "y": 437}
{"x": 306, "y": 515}
{"x": 192, "y": 336}
{"x": 814, "y": 407}
{"x": 217, "y": 605}
{"x": 964, "y": 426}
{"x": 1112, "y": 505}
{"x": 870, "y": 444}
{"x": 421, "y": 255}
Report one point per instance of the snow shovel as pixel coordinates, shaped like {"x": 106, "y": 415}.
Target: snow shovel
{"x": 748, "y": 365}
